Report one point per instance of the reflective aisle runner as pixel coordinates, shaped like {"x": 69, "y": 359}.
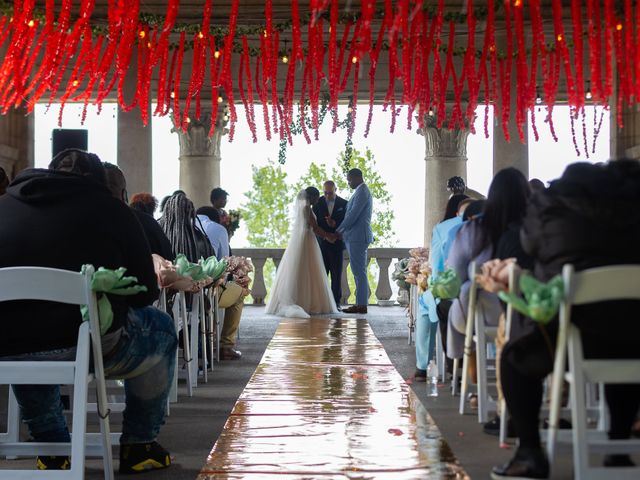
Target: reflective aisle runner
{"x": 326, "y": 402}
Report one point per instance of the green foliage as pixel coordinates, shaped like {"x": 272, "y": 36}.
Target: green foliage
{"x": 382, "y": 220}
{"x": 267, "y": 208}
{"x": 266, "y": 211}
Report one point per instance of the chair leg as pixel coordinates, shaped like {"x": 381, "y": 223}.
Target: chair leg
{"x": 503, "y": 422}
{"x": 13, "y": 422}
{"x": 465, "y": 382}
{"x": 185, "y": 345}
{"x": 481, "y": 362}
{"x": 578, "y": 407}
{"x": 454, "y": 377}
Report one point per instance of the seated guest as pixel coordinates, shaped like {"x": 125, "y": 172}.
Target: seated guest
{"x": 4, "y": 181}
{"x": 536, "y": 185}
{"x": 145, "y": 202}
{"x": 158, "y": 241}
{"x": 179, "y": 224}
{"x": 78, "y": 222}
{"x": 471, "y": 212}
{"x": 457, "y": 186}
{"x": 209, "y": 224}
{"x": 427, "y": 320}
{"x": 477, "y": 241}
{"x": 587, "y": 218}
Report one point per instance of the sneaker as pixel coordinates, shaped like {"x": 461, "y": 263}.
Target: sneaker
{"x": 420, "y": 375}
{"x": 528, "y": 463}
{"x": 53, "y": 463}
{"x": 143, "y": 457}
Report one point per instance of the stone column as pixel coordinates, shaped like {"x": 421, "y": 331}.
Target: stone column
{"x": 200, "y": 158}
{"x": 513, "y": 153}
{"x": 16, "y": 141}
{"x": 446, "y": 157}
{"x": 135, "y": 157}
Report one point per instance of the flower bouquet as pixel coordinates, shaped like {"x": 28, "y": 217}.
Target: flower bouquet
{"x": 231, "y": 220}
{"x": 401, "y": 269}
{"x": 239, "y": 269}
{"x": 418, "y": 268}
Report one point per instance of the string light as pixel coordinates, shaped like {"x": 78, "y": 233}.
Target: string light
{"x": 75, "y": 83}
{"x": 354, "y": 59}
{"x": 517, "y": 3}
{"x": 172, "y": 94}
{"x": 200, "y": 35}
{"x": 220, "y": 99}
{"x": 188, "y": 120}
{"x": 142, "y": 34}
{"x": 588, "y": 95}
{"x": 31, "y": 23}
{"x": 285, "y": 59}
{"x": 619, "y": 27}
{"x": 216, "y": 54}
{"x": 560, "y": 37}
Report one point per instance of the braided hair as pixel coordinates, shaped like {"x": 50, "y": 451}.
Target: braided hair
{"x": 178, "y": 223}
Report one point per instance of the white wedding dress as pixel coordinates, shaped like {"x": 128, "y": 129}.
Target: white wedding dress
{"x": 302, "y": 287}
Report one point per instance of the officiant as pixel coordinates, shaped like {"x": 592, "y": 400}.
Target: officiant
{"x": 329, "y": 211}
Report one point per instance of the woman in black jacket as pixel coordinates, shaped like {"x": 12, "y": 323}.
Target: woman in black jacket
{"x": 587, "y": 218}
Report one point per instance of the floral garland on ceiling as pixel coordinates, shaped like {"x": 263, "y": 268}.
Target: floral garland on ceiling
{"x": 82, "y": 62}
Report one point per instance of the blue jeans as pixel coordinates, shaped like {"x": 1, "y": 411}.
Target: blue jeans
{"x": 144, "y": 357}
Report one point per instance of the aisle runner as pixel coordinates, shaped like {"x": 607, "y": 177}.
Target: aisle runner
{"x": 326, "y": 402}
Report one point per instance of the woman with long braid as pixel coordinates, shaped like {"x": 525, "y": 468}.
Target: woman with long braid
{"x": 178, "y": 223}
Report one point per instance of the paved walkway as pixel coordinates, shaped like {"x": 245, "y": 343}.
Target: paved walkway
{"x": 326, "y": 402}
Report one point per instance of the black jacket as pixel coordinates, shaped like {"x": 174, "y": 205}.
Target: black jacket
{"x": 158, "y": 241}
{"x": 62, "y": 220}
{"x": 321, "y": 210}
{"x": 589, "y": 217}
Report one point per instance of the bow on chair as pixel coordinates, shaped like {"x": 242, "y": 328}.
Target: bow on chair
{"x": 540, "y": 301}
{"x": 446, "y": 285}
{"x": 112, "y": 282}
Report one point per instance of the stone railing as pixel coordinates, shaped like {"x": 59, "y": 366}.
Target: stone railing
{"x": 382, "y": 256}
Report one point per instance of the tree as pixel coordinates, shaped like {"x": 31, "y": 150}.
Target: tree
{"x": 266, "y": 211}
{"x": 382, "y": 219}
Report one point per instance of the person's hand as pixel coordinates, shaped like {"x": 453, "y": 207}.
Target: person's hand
{"x": 331, "y": 237}
{"x": 330, "y": 221}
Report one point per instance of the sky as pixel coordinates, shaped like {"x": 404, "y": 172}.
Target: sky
{"x": 399, "y": 156}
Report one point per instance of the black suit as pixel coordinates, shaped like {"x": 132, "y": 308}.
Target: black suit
{"x": 332, "y": 252}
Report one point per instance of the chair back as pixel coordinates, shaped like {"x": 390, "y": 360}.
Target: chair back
{"x": 614, "y": 282}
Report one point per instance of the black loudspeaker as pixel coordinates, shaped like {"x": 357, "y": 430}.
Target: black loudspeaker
{"x": 63, "y": 138}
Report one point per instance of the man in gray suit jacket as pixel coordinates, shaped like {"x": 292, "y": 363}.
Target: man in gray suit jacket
{"x": 356, "y": 232}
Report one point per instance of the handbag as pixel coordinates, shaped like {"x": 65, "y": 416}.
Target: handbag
{"x": 229, "y": 295}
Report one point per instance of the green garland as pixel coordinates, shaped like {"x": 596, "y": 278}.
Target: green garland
{"x": 219, "y": 32}
{"x": 296, "y": 129}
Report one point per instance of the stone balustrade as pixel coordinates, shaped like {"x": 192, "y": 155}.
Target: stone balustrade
{"x": 382, "y": 256}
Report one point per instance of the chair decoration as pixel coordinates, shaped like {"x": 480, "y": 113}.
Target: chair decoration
{"x": 540, "y": 301}
{"x": 112, "y": 282}
{"x": 446, "y": 285}
{"x": 494, "y": 275}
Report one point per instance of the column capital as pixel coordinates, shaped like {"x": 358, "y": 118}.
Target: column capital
{"x": 442, "y": 142}
{"x": 195, "y": 141}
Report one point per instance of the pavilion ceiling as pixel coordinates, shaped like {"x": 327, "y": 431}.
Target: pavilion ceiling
{"x": 448, "y": 73}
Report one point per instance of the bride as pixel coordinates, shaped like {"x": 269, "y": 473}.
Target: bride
{"x": 302, "y": 286}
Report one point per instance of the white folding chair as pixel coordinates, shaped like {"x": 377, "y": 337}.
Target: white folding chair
{"x": 181, "y": 322}
{"x": 484, "y": 334}
{"x": 513, "y": 288}
{"x": 34, "y": 283}
{"x": 590, "y": 286}
{"x": 413, "y": 312}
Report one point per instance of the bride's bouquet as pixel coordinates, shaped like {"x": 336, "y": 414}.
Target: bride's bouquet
{"x": 239, "y": 268}
{"x": 230, "y": 220}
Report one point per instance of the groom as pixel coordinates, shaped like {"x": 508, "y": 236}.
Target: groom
{"x": 357, "y": 235}
{"x": 330, "y": 210}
